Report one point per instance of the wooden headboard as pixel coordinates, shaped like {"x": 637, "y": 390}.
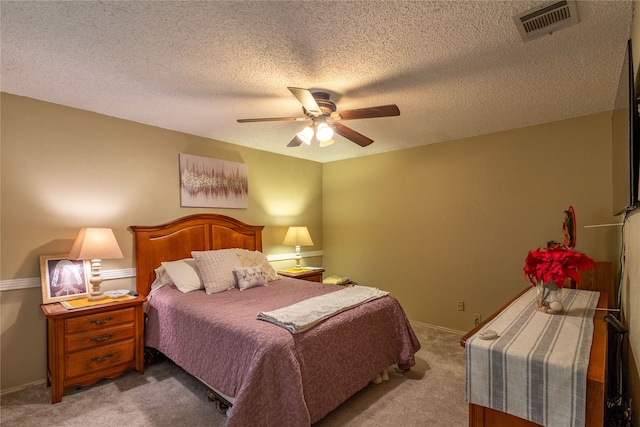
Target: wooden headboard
{"x": 176, "y": 239}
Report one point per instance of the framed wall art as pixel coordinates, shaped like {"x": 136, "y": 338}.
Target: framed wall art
{"x": 63, "y": 278}
{"x": 213, "y": 183}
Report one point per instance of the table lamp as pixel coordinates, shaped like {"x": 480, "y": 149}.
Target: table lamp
{"x": 297, "y": 236}
{"x": 95, "y": 244}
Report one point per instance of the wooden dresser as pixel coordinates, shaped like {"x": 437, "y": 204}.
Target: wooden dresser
{"x": 599, "y": 279}
{"x": 87, "y": 344}
{"x": 480, "y": 416}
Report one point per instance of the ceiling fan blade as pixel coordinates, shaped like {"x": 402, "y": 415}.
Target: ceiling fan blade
{"x": 307, "y": 100}
{"x": 295, "y": 142}
{"x": 275, "y": 119}
{"x": 367, "y": 113}
{"x": 351, "y": 134}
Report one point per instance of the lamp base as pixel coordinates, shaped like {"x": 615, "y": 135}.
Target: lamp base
{"x": 96, "y": 296}
{"x": 298, "y": 258}
{"x": 96, "y": 280}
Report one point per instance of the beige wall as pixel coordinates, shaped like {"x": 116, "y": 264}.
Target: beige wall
{"x": 454, "y": 221}
{"x": 63, "y": 169}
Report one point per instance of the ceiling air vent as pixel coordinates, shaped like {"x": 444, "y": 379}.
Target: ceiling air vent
{"x": 545, "y": 19}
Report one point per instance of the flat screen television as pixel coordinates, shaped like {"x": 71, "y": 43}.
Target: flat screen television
{"x": 625, "y": 140}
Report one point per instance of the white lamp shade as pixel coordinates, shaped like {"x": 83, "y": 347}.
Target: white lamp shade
{"x": 324, "y": 132}
{"x": 297, "y": 236}
{"x": 326, "y": 143}
{"x": 95, "y": 243}
{"x": 306, "y": 135}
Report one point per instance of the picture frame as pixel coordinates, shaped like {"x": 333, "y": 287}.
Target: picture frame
{"x": 63, "y": 278}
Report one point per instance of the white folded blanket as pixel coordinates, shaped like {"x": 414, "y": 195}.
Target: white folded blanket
{"x": 303, "y": 315}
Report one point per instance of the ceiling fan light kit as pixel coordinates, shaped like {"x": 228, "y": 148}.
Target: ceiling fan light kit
{"x": 318, "y": 108}
{"x": 323, "y": 132}
{"x": 306, "y": 135}
{"x": 326, "y": 143}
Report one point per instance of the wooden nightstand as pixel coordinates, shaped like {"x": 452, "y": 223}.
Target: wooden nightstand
{"x": 87, "y": 344}
{"x": 310, "y": 275}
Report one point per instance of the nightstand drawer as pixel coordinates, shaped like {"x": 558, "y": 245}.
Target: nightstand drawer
{"x": 91, "y": 339}
{"x": 85, "y": 362}
{"x": 99, "y": 320}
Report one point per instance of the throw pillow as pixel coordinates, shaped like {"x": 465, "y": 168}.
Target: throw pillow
{"x": 249, "y": 277}
{"x": 216, "y": 269}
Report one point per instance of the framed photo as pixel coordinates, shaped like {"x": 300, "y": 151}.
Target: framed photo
{"x": 63, "y": 278}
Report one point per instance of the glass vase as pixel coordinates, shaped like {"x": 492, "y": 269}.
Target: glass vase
{"x": 549, "y": 298}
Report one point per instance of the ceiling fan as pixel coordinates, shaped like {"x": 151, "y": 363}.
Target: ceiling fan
{"x": 322, "y": 113}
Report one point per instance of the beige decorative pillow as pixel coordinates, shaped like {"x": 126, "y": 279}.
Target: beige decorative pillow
{"x": 249, "y": 277}
{"x": 256, "y": 258}
{"x": 184, "y": 274}
{"x": 216, "y": 269}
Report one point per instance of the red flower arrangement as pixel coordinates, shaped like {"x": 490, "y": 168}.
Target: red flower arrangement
{"x": 553, "y": 265}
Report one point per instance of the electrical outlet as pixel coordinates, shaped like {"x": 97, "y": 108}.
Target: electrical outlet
{"x": 477, "y": 318}
{"x": 460, "y": 305}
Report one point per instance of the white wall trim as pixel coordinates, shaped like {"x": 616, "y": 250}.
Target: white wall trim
{"x": 125, "y": 273}
{"x": 284, "y": 257}
{"x": 13, "y": 284}
{"x": 35, "y": 282}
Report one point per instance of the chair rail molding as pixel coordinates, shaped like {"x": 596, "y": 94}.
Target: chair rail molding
{"x": 126, "y": 273}
{"x": 35, "y": 282}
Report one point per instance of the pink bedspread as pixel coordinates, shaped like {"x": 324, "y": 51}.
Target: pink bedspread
{"x": 278, "y": 379}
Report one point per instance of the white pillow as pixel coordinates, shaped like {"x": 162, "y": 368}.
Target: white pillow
{"x": 216, "y": 269}
{"x": 256, "y": 258}
{"x": 162, "y": 278}
{"x": 184, "y": 274}
{"x": 249, "y": 277}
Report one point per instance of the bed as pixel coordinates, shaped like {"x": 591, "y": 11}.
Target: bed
{"x": 273, "y": 377}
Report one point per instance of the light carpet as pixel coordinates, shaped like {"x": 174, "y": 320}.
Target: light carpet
{"x": 430, "y": 394}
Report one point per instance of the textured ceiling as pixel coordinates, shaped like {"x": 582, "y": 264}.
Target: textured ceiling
{"x": 454, "y": 68}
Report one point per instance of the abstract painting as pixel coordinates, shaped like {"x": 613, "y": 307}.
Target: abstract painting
{"x": 213, "y": 183}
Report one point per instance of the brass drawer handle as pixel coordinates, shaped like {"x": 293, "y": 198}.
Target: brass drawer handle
{"x": 102, "y": 359}
{"x": 101, "y": 339}
{"x": 101, "y": 322}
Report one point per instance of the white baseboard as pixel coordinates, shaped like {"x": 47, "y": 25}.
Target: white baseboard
{"x": 442, "y": 328}
{"x": 22, "y": 387}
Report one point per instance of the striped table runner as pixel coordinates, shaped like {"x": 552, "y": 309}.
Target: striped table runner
{"x": 537, "y": 367}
